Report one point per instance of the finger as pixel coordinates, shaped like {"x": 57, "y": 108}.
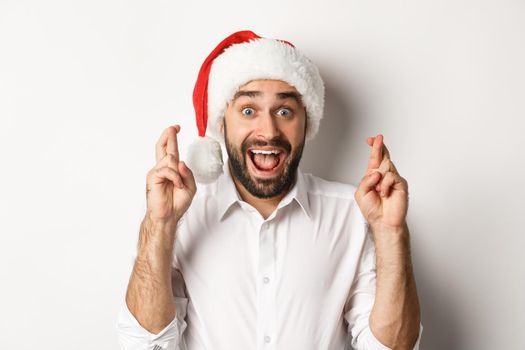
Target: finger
{"x": 160, "y": 147}
{"x": 370, "y": 141}
{"x": 169, "y": 161}
{"x": 172, "y": 146}
{"x": 385, "y": 166}
{"x": 388, "y": 181}
{"x": 393, "y": 168}
{"x": 187, "y": 176}
{"x": 367, "y": 184}
{"x": 160, "y": 174}
{"x": 376, "y": 154}
{"x": 386, "y": 153}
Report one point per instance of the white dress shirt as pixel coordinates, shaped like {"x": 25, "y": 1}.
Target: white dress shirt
{"x": 304, "y": 278}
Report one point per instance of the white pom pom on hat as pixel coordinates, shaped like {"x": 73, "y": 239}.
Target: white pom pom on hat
{"x": 241, "y": 57}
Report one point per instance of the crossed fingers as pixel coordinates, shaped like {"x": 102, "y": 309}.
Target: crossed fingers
{"x": 167, "y": 144}
{"x": 379, "y": 157}
{"x": 380, "y": 161}
{"x": 167, "y": 154}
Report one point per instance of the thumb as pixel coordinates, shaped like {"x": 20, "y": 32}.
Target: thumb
{"x": 187, "y": 176}
{"x": 367, "y": 184}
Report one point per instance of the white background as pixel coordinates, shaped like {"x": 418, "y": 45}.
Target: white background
{"x": 86, "y": 88}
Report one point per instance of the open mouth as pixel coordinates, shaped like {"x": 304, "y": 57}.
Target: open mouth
{"x": 266, "y": 162}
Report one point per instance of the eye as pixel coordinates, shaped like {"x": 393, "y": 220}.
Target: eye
{"x": 284, "y": 112}
{"x": 249, "y": 111}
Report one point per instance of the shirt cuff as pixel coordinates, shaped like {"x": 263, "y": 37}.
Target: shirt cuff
{"x": 374, "y": 344}
{"x": 132, "y": 336}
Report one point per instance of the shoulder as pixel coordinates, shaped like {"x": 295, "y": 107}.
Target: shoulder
{"x": 332, "y": 198}
{"x": 334, "y": 208}
{"x": 206, "y": 191}
{"x": 318, "y": 186}
{"x": 204, "y": 200}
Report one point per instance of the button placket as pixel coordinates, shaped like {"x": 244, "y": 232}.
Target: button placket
{"x": 266, "y": 289}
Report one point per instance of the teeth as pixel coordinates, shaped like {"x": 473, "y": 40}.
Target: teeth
{"x": 257, "y": 151}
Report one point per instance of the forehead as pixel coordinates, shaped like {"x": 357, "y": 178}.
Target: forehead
{"x": 258, "y": 88}
{"x": 267, "y": 84}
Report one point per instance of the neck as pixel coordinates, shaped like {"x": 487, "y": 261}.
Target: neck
{"x": 265, "y": 206}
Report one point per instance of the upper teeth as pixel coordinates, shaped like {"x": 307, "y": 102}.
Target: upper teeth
{"x": 257, "y": 151}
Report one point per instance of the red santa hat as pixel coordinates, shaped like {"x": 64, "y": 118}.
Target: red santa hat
{"x": 238, "y": 59}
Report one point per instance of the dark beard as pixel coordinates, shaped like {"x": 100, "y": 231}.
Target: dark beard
{"x": 263, "y": 188}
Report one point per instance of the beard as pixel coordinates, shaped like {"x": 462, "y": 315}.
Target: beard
{"x": 263, "y": 188}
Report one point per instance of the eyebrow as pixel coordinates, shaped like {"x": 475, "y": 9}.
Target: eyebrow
{"x": 279, "y": 95}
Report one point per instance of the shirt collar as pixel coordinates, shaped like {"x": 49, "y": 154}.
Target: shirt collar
{"x": 299, "y": 193}
{"x": 227, "y": 194}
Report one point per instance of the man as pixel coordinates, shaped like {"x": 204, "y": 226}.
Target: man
{"x": 264, "y": 256}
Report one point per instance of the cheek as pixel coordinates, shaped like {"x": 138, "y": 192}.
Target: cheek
{"x": 239, "y": 132}
{"x": 236, "y": 136}
{"x": 295, "y": 132}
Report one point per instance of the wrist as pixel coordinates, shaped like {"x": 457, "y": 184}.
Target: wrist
{"x": 160, "y": 223}
{"x": 157, "y": 234}
{"x": 393, "y": 231}
{"x": 388, "y": 238}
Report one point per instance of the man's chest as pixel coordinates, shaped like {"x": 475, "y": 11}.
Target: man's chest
{"x": 295, "y": 257}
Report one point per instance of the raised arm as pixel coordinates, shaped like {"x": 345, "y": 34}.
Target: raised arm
{"x": 169, "y": 191}
{"x": 382, "y": 197}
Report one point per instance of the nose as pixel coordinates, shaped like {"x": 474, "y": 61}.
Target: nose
{"x": 268, "y": 127}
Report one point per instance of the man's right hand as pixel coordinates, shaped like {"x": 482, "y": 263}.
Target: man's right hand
{"x": 170, "y": 184}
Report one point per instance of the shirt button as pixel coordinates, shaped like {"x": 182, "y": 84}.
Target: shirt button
{"x": 266, "y": 280}
{"x": 267, "y": 339}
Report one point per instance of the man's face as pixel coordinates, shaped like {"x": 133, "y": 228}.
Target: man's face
{"x": 264, "y": 132}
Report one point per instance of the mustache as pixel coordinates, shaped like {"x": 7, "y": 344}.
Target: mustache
{"x": 277, "y": 142}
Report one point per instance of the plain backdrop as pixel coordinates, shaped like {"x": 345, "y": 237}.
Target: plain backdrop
{"x": 86, "y": 88}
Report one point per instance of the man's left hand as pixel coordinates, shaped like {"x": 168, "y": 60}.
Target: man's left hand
{"x": 382, "y": 194}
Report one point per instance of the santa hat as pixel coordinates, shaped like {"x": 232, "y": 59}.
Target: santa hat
{"x": 238, "y": 59}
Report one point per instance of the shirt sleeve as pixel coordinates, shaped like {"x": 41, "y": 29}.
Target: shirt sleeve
{"x": 361, "y": 300}
{"x": 132, "y": 336}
